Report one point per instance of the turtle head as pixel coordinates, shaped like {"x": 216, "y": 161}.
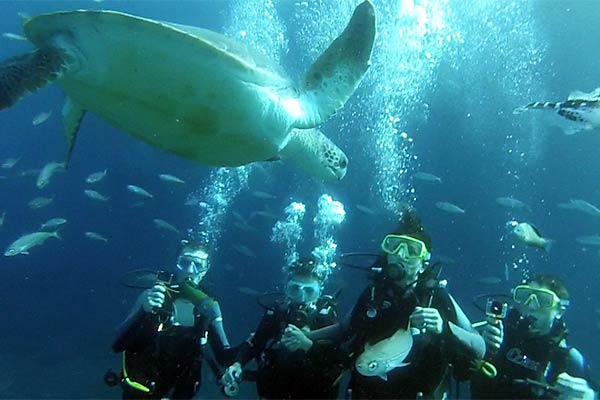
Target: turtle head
{"x": 316, "y": 154}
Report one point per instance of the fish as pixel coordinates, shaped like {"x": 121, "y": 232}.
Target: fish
{"x": 96, "y": 177}
{"x": 171, "y": 178}
{"x": 29, "y": 172}
{"x": 9, "y": 163}
{"x": 137, "y": 204}
{"x": 263, "y": 195}
{"x": 506, "y": 272}
{"x": 139, "y": 191}
{"x": 2, "y": 219}
{"x": 447, "y": 260}
{"x": 238, "y": 216}
{"x": 53, "y": 224}
{"x": 585, "y": 207}
{"x": 245, "y": 227}
{"x": 13, "y": 36}
{"x": 263, "y": 214}
{"x": 387, "y": 354}
{"x": 46, "y": 173}
{"x": 449, "y": 207}
{"x": 589, "y": 240}
{"x": 23, "y": 244}
{"x": 490, "y": 280}
{"x": 248, "y": 291}
{"x": 566, "y": 206}
{"x": 365, "y": 209}
{"x": 41, "y": 118}
{"x": 40, "y": 202}
{"x": 427, "y": 177}
{"x": 94, "y": 195}
{"x": 162, "y": 224}
{"x": 95, "y": 236}
{"x": 512, "y": 203}
{"x": 244, "y": 250}
{"x": 530, "y": 235}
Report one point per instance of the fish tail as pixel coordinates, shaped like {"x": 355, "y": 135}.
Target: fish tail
{"x": 56, "y": 235}
{"x": 547, "y": 246}
{"x": 538, "y": 105}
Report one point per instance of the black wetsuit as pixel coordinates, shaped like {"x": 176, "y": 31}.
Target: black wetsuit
{"x": 380, "y": 311}
{"x": 293, "y": 375}
{"x": 522, "y": 357}
{"x": 163, "y": 357}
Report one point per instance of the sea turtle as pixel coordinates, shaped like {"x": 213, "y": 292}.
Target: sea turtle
{"x": 583, "y": 109}
{"x": 191, "y": 91}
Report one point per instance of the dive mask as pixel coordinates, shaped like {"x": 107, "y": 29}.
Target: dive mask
{"x": 406, "y": 247}
{"x": 302, "y": 292}
{"x": 544, "y": 298}
{"x": 193, "y": 263}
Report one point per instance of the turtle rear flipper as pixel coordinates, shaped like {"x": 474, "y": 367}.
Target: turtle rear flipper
{"x": 26, "y": 73}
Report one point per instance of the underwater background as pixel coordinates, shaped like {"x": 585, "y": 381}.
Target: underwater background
{"x": 438, "y": 98}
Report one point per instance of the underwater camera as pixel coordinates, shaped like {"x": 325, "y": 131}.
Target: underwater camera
{"x": 496, "y": 309}
{"x": 166, "y": 278}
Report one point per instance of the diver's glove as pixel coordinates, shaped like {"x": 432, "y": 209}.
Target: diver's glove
{"x": 493, "y": 334}
{"x": 573, "y": 388}
{"x": 153, "y": 298}
{"x": 232, "y": 378}
{"x": 295, "y": 338}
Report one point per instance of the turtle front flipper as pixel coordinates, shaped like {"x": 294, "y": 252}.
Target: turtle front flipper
{"x": 337, "y": 72}
{"x": 316, "y": 154}
{"x": 26, "y": 73}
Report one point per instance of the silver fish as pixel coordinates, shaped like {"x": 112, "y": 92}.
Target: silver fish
{"x": 490, "y": 280}
{"x": 245, "y": 227}
{"x": 589, "y": 240}
{"x": 47, "y": 172}
{"x": 365, "y": 209}
{"x": 248, "y": 291}
{"x": 161, "y": 223}
{"x": 511, "y": 202}
{"x": 427, "y": 177}
{"x": 449, "y": 207}
{"x": 263, "y": 214}
{"x": 13, "y": 36}
{"x": 9, "y": 163}
{"x": 26, "y": 242}
{"x": 385, "y": 355}
{"x": 244, "y": 250}
{"x": 41, "y": 118}
{"x": 2, "y": 219}
{"x": 96, "y": 176}
{"x": 40, "y": 202}
{"x": 92, "y": 194}
{"x": 263, "y": 195}
{"x": 170, "y": 178}
{"x": 95, "y": 236}
{"x": 530, "y": 236}
{"x": 139, "y": 191}
{"x": 585, "y": 207}
{"x": 53, "y": 224}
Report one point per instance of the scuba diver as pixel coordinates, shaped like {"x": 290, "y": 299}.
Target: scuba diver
{"x": 528, "y": 348}
{"x": 293, "y": 366}
{"x": 405, "y": 330}
{"x": 163, "y": 338}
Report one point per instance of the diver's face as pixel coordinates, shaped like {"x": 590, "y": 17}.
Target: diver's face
{"x": 543, "y": 317}
{"x": 192, "y": 267}
{"x": 303, "y": 290}
{"x": 403, "y": 270}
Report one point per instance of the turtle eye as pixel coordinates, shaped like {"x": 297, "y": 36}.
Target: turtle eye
{"x": 372, "y": 365}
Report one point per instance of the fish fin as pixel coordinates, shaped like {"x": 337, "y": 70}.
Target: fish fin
{"x": 536, "y": 230}
{"x": 398, "y": 364}
{"x": 383, "y": 376}
{"x": 548, "y": 245}
{"x": 72, "y": 116}
{"x": 56, "y": 235}
{"x": 572, "y": 129}
{"x": 24, "y": 252}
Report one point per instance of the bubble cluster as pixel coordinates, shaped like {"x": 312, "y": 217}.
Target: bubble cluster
{"x": 329, "y": 216}
{"x": 289, "y": 232}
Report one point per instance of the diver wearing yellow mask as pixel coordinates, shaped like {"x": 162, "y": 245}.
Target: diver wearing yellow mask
{"x": 529, "y": 348}
{"x": 163, "y": 338}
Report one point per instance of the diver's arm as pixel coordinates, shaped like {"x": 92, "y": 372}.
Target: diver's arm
{"x": 334, "y": 332}
{"x": 219, "y": 342}
{"x": 464, "y": 333}
{"x": 138, "y": 328}
{"x": 578, "y": 367}
{"x": 252, "y": 347}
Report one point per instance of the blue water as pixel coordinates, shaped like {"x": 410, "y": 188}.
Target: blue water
{"x": 451, "y": 81}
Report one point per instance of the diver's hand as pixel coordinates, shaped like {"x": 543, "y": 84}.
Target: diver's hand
{"x": 493, "y": 333}
{"x": 232, "y": 375}
{"x": 573, "y": 388}
{"x": 295, "y": 339}
{"x": 427, "y": 320}
{"x": 154, "y": 298}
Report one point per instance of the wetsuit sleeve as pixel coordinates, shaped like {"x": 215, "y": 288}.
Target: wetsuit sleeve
{"x": 136, "y": 331}
{"x": 268, "y": 328}
{"x": 219, "y": 342}
{"x": 577, "y": 366}
{"x": 463, "y": 333}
